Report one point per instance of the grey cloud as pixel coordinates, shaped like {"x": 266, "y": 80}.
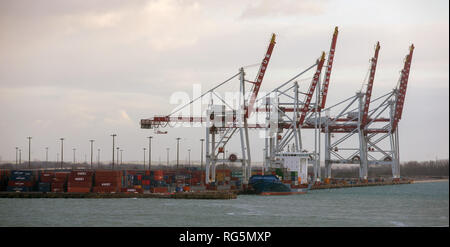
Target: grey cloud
{"x": 63, "y": 76}
{"x": 283, "y": 8}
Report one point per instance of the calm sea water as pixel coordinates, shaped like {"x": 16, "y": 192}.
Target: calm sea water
{"x": 423, "y": 204}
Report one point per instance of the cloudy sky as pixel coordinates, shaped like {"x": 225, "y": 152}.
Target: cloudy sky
{"x": 86, "y": 69}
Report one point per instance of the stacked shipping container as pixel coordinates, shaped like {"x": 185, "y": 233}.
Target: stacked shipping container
{"x": 133, "y": 180}
{"x": 80, "y": 181}
{"x": 108, "y": 181}
{"x": 22, "y": 181}
{"x": 59, "y": 181}
{"x": 158, "y": 185}
{"x": 45, "y": 181}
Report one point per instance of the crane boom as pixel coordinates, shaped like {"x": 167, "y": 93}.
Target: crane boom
{"x": 260, "y": 76}
{"x": 312, "y": 87}
{"x": 402, "y": 88}
{"x": 373, "y": 67}
{"x": 329, "y": 67}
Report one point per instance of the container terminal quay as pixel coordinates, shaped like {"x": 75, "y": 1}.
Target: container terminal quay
{"x": 359, "y": 130}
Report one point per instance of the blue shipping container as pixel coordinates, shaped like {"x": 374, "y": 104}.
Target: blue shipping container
{"x": 22, "y": 178}
{"x": 18, "y": 172}
{"x": 44, "y": 187}
{"x": 18, "y": 188}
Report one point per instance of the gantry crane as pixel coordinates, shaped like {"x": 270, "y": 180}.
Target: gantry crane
{"x": 286, "y": 115}
{"x": 373, "y": 127}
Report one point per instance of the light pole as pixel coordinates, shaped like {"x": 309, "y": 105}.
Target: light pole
{"x": 121, "y": 161}
{"x": 29, "y": 151}
{"x": 74, "y": 149}
{"x": 17, "y": 153}
{"x": 189, "y": 165}
{"x": 92, "y": 144}
{"x": 144, "y": 157}
{"x": 62, "y": 152}
{"x": 149, "y": 152}
{"x": 178, "y": 151}
{"x": 46, "y": 156}
{"x": 118, "y": 155}
{"x": 113, "y": 135}
{"x": 201, "y": 161}
{"x": 167, "y": 156}
{"x": 98, "y": 158}
{"x": 189, "y": 155}
{"x": 20, "y": 156}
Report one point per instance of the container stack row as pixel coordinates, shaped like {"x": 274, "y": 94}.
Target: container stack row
{"x": 133, "y": 181}
{"x": 158, "y": 185}
{"x": 114, "y": 181}
{"x": 45, "y": 181}
{"x": 107, "y": 181}
{"x": 22, "y": 181}
{"x": 59, "y": 181}
{"x": 80, "y": 181}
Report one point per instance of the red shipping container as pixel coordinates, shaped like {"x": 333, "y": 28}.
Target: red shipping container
{"x": 80, "y": 179}
{"x": 79, "y": 184}
{"x": 108, "y": 177}
{"x": 107, "y": 173}
{"x": 61, "y": 174}
{"x": 131, "y": 190}
{"x": 158, "y": 173}
{"x": 107, "y": 184}
{"x": 131, "y": 172}
{"x": 159, "y": 190}
{"x": 79, "y": 189}
{"x": 114, "y": 181}
{"x": 104, "y": 189}
{"x": 57, "y": 189}
{"x": 59, "y": 180}
{"x": 81, "y": 173}
{"x": 47, "y": 177}
{"x": 58, "y": 185}
{"x": 21, "y": 183}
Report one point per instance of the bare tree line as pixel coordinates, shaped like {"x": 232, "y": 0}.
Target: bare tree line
{"x": 435, "y": 168}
